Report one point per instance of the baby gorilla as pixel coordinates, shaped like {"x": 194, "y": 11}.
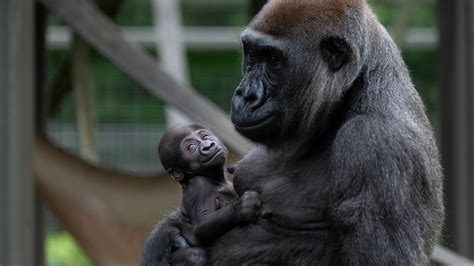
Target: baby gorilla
{"x": 195, "y": 158}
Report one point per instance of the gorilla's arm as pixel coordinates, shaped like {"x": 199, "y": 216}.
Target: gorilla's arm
{"x": 163, "y": 241}
{"x": 299, "y": 219}
{"x": 213, "y": 224}
{"x": 378, "y": 179}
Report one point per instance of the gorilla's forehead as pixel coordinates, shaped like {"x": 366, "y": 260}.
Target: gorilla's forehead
{"x": 178, "y": 133}
{"x": 294, "y": 16}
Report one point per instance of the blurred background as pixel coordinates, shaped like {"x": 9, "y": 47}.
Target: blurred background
{"x": 76, "y": 89}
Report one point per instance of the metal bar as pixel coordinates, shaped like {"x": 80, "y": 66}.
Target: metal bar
{"x": 170, "y": 47}
{"x": 17, "y": 225}
{"x": 221, "y": 38}
{"x": 470, "y": 83}
{"x": 40, "y": 45}
{"x": 456, "y": 81}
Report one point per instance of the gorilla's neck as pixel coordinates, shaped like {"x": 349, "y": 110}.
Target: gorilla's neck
{"x": 324, "y": 128}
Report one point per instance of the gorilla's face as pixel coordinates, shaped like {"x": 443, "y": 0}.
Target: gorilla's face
{"x": 258, "y": 104}
{"x": 284, "y": 84}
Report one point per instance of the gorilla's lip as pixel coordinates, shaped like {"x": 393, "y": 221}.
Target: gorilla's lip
{"x": 260, "y": 123}
{"x": 212, "y": 157}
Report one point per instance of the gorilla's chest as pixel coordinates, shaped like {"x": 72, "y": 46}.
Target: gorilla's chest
{"x": 276, "y": 186}
{"x": 256, "y": 175}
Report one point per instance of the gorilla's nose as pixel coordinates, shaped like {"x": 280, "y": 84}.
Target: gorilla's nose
{"x": 207, "y": 146}
{"x": 253, "y": 95}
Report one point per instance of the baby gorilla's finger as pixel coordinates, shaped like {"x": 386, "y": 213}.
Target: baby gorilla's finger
{"x": 252, "y": 198}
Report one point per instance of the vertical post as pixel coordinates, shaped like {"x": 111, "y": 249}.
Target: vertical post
{"x": 170, "y": 46}
{"x": 457, "y": 114}
{"x": 17, "y": 225}
{"x": 40, "y": 49}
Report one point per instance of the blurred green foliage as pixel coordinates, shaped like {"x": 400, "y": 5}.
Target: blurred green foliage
{"x": 423, "y": 67}
{"x": 62, "y": 250}
{"x": 423, "y": 12}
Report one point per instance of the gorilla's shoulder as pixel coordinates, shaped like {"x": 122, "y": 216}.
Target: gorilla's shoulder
{"x": 378, "y": 138}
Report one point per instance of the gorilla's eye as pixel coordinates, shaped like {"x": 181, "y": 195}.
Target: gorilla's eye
{"x": 273, "y": 60}
{"x": 191, "y": 147}
{"x": 251, "y": 55}
{"x": 205, "y": 137}
{"x": 335, "y": 52}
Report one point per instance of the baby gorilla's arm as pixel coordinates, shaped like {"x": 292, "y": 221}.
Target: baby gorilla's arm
{"x": 210, "y": 226}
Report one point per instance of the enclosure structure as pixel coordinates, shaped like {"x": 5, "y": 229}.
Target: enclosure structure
{"x": 17, "y": 193}
{"x": 55, "y": 169}
{"x": 457, "y": 103}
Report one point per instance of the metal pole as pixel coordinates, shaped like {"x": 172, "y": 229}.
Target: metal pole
{"x": 40, "y": 49}
{"x": 17, "y": 225}
{"x": 457, "y": 100}
{"x": 169, "y": 45}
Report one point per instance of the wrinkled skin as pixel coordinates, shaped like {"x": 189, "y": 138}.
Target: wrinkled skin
{"x": 345, "y": 161}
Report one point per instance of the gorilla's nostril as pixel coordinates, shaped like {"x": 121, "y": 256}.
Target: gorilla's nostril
{"x": 209, "y": 146}
{"x": 250, "y": 97}
{"x": 256, "y": 100}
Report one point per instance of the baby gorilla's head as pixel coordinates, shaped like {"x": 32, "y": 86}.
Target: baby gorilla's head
{"x": 190, "y": 150}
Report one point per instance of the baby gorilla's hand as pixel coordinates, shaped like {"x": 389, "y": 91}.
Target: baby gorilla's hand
{"x": 247, "y": 207}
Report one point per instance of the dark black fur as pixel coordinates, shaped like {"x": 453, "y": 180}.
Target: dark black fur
{"x": 346, "y": 167}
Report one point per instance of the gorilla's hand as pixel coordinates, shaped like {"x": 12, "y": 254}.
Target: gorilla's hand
{"x": 174, "y": 243}
{"x": 178, "y": 242}
{"x": 189, "y": 256}
{"x": 247, "y": 207}
{"x": 163, "y": 241}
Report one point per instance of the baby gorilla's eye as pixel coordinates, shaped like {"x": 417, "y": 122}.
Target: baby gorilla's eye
{"x": 206, "y": 137}
{"x": 191, "y": 147}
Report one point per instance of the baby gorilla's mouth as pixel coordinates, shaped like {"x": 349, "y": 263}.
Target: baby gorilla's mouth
{"x": 212, "y": 157}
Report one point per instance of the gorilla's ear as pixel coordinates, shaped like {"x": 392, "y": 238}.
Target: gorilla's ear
{"x": 335, "y": 52}
{"x": 176, "y": 174}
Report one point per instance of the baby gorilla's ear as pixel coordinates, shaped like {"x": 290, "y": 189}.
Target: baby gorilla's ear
{"x": 176, "y": 174}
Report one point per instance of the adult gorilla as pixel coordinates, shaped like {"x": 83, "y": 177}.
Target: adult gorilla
{"x": 346, "y": 166}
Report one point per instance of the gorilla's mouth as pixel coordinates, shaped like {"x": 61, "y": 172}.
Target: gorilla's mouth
{"x": 256, "y": 124}
{"x": 212, "y": 157}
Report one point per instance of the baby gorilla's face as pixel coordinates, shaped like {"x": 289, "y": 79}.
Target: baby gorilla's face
{"x": 203, "y": 151}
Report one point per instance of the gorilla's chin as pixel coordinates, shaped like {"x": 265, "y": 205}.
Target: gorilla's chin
{"x": 262, "y": 130}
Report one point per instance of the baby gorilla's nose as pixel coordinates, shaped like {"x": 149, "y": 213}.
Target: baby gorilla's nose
{"x": 207, "y": 146}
